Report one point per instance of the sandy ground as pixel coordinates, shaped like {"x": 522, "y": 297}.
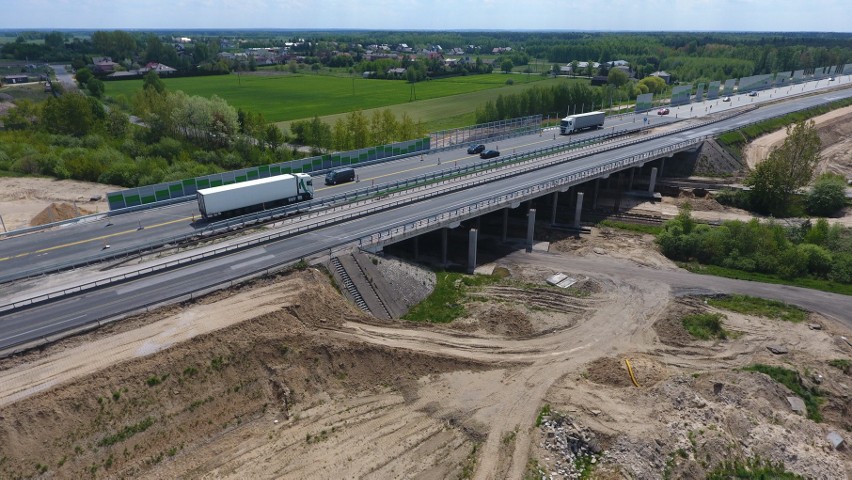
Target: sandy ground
{"x": 286, "y": 380}
{"x": 22, "y": 198}
{"x": 282, "y": 378}
{"x": 835, "y": 132}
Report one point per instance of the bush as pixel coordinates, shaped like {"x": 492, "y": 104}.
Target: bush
{"x": 827, "y": 196}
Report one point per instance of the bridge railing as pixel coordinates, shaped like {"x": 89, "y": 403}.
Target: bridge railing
{"x": 590, "y": 146}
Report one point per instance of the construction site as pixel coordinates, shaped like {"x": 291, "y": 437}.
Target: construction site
{"x": 320, "y": 371}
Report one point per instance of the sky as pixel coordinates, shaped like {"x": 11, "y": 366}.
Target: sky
{"x": 634, "y": 15}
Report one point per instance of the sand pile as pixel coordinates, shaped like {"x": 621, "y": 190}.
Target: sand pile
{"x": 56, "y": 212}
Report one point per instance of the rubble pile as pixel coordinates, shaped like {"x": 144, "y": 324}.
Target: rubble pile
{"x": 573, "y": 447}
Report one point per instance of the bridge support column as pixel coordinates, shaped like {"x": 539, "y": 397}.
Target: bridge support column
{"x": 553, "y": 210}
{"x": 416, "y": 248}
{"x": 595, "y": 196}
{"x": 662, "y": 166}
{"x": 444, "y": 246}
{"x": 578, "y": 209}
{"x": 471, "y": 250}
{"x": 530, "y": 229}
{"x": 653, "y": 182}
{"x": 505, "y": 232}
{"x": 630, "y": 184}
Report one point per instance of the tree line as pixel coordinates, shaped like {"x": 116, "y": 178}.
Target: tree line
{"x": 356, "y": 131}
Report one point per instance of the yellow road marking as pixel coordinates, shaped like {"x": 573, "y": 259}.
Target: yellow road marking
{"x": 95, "y": 239}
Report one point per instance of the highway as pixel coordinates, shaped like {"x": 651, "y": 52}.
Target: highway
{"x": 43, "y": 320}
{"x": 75, "y": 242}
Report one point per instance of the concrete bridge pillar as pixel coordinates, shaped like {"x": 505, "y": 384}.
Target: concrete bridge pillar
{"x": 553, "y": 210}
{"x": 417, "y": 248}
{"x": 444, "y": 246}
{"x": 578, "y": 209}
{"x": 530, "y": 229}
{"x": 505, "y": 232}
{"x": 662, "y": 166}
{"x": 595, "y": 196}
{"x": 630, "y": 184}
{"x": 471, "y": 250}
{"x": 653, "y": 182}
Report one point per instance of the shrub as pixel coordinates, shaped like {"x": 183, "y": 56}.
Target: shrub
{"x": 827, "y": 196}
{"x": 705, "y": 326}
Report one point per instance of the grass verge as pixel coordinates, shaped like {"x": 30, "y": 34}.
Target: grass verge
{"x": 753, "y": 468}
{"x": 446, "y": 303}
{"x": 812, "y": 283}
{"x": 632, "y": 227}
{"x": 705, "y": 326}
{"x": 759, "y": 306}
{"x": 791, "y": 380}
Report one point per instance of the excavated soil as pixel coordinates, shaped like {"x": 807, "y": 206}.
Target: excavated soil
{"x": 835, "y": 131}
{"x": 23, "y": 199}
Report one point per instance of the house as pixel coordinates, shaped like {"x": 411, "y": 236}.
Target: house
{"x": 396, "y": 72}
{"x": 451, "y": 62}
{"x": 618, "y": 63}
{"x": 664, "y": 75}
{"x": 14, "y": 79}
{"x": 599, "y": 80}
{"x": 159, "y": 68}
{"x": 103, "y": 66}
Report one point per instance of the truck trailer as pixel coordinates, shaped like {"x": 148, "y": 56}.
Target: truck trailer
{"x": 255, "y": 194}
{"x": 573, "y": 123}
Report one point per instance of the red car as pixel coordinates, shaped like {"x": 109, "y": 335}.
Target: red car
{"x": 663, "y": 111}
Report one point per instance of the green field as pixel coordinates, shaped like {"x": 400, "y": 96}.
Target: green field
{"x": 287, "y": 97}
{"x": 452, "y": 111}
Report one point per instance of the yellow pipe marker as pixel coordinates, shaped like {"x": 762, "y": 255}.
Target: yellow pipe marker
{"x": 630, "y": 371}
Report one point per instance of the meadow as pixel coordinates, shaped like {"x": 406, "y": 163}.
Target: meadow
{"x": 284, "y": 97}
{"x": 294, "y": 96}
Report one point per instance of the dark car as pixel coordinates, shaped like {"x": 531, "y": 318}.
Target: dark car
{"x": 340, "y": 175}
{"x": 752, "y": 93}
{"x": 489, "y": 154}
{"x": 475, "y": 149}
{"x": 663, "y": 111}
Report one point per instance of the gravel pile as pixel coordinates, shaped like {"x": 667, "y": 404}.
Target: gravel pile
{"x": 572, "y": 447}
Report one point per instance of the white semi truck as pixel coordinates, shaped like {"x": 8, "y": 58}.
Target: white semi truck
{"x": 255, "y": 194}
{"x": 573, "y": 123}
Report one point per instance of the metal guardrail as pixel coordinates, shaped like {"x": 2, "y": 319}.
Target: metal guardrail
{"x": 424, "y": 182}
{"x": 406, "y": 229}
{"x": 421, "y": 181}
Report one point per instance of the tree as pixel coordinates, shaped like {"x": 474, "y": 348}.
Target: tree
{"x": 95, "y": 87}
{"x": 575, "y": 65}
{"x": 617, "y": 78}
{"x": 83, "y": 76}
{"x": 72, "y": 114}
{"x": 653, "y": 84}
{"x": 506, "y": 66}
{"x": 152, "y": 81}
{"x": 273, "y": 136}
{"x": 827, "y": 196}
{"x": 788, "y": 168}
